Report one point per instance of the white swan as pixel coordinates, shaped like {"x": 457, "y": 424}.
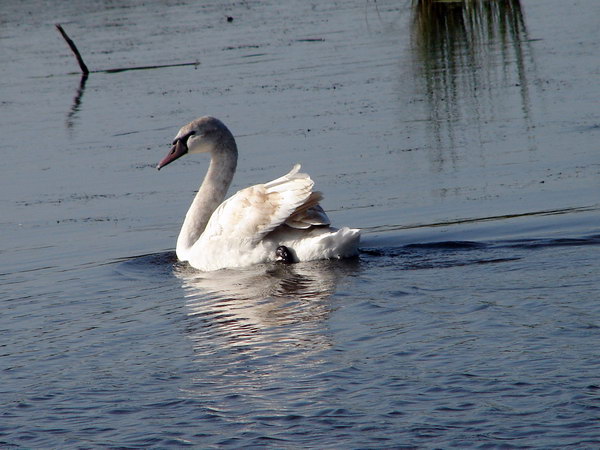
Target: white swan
{"x": 279, "y": 220}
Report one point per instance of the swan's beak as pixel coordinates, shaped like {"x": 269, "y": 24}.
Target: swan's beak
{"x": 178, "y": 150}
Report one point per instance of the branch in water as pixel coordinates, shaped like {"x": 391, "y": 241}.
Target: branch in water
{"x": 85, "y": 71}
{"x": 73, "y": 48}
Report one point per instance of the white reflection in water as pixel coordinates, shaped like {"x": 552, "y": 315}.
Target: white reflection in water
{"x": 263, "y": 304}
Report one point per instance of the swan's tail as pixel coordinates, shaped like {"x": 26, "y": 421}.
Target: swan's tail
{"x": 345, "y": 242}
{"x": 295, "y": 190}
{"x": 326, "y": 243}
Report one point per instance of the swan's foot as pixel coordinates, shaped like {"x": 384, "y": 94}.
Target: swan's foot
{"x": 283, "y": 254}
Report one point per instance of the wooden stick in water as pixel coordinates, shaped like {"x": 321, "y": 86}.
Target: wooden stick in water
{"x": 73, "y": 48}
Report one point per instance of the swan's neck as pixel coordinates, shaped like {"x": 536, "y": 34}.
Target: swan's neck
{"x": 210, "y": 195}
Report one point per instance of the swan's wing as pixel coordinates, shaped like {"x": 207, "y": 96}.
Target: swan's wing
{"x": 253, "y": 212}
{"x": 309, "y": 214}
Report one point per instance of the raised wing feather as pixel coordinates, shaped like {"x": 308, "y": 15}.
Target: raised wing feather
{"x": 309, "y": 214}
{"x": 253, "y": 212}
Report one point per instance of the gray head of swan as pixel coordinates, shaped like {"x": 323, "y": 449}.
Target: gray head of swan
{"x": 202, "y": 135}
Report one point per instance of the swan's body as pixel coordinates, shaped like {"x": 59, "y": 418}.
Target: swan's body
{"x": 251, "y": 225}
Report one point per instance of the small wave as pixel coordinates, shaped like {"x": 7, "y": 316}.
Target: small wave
{"x": 151, "y": 265}
{"x": 444, "y": 254}
{"x": 473, "y": 245}
{"x": 554, "y": 242}
{"x": 484, "y": 219}
{"x": 159, "y": 258}
{"x": 450, "y": 245}
{"x": 409, "y": 249}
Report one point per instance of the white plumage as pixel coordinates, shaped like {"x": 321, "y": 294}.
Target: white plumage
{"x": 248, "y": 227}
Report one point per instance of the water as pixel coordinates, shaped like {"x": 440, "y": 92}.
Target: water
{"x": 462, "y": 138}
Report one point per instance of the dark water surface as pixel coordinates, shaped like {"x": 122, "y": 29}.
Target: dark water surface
{"x": 463, "y": 139}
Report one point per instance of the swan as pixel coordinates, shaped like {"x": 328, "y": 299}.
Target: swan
{"x": 277, "y": 221}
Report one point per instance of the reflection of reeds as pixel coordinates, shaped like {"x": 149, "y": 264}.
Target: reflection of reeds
{"x": 464, "y": 50}
{"x": 458, "y": 23}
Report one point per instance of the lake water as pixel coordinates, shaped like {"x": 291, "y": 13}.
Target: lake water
{"x": 463, "y": 138}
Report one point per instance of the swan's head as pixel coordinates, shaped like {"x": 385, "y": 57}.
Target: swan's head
{"x": 199, "y": 136}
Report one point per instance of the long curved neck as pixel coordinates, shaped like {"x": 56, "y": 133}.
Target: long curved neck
{"x": 211, "y": 194}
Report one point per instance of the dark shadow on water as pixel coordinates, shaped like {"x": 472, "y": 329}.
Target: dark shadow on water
{"x": 466, "y": 54}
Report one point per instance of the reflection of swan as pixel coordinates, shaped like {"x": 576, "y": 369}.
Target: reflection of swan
{"x": 281, "y": 218}
{"x": 249, "y": 305}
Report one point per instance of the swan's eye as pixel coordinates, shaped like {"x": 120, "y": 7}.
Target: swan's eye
{"x": 183, "y": 139}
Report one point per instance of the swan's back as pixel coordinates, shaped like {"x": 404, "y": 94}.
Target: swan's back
{"x": 252, "y": 213}
{"x": 248, "y": 227}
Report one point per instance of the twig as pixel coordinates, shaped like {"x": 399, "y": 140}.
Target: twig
{"x": 73, "y": 48}
{"x": 159, "y": 66}
{"x": 85, "y": 71}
